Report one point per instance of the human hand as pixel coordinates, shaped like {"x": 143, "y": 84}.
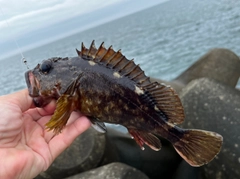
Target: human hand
{"x": 26, "y": 148}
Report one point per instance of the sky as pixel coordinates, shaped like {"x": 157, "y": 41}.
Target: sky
{"x": 27, "y": 15}
{"x": 32, "y": 22}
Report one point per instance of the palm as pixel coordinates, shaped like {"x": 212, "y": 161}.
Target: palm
{"x": 26, "y": 148}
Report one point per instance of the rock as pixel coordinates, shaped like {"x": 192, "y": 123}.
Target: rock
{"x": 111, "y": 171}
{"x": 86, "y": 152}
{"x": 160, "y": 164}
{"x": 213, "y": 106}
{"x": 186, "y": 171}
{"x": 219, "y": 64}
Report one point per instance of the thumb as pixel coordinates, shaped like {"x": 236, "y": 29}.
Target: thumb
{"x": 63, "y": 140}
{"x": 20, "y": 98}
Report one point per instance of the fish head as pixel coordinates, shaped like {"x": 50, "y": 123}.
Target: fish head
{"x": 48, "y": 80}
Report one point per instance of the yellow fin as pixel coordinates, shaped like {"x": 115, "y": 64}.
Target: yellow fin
{"x": 65, "y": 105}
{"x": 61, "y": 115}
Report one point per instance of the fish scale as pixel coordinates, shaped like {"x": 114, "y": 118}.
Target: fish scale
{"x": 120, "y": 100}
{"x": 107, "y": 87}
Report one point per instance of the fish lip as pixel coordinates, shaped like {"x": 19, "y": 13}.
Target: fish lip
{"x": 33, "y": 89}
{"x": 40, "y": 101}
{"x": 32, "y": 84}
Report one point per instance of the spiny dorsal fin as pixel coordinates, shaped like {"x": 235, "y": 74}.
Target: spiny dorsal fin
{"x": 114, "y": 60}
{"x": 92, "y": 51}
{"x": 167, "y": 101}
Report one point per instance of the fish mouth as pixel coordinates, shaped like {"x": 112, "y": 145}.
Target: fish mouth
{"x": 32, "y": 84}
{"x": 33, "y": 89}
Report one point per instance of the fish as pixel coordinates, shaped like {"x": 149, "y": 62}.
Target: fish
{"x": 105, "y": 86}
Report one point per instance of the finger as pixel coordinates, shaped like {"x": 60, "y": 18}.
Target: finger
{"x": 43, "y": 121}
{"x": 20, "y": 98}
{"x": 74, "y": 116}
{"x": 48, "y": 135}
{"x": 37, "y": 113}
{"x": 61, "y": 141}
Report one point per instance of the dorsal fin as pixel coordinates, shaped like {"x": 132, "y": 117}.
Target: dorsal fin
{"x": 167, "y": 101}
{"x": 114, "y": 60}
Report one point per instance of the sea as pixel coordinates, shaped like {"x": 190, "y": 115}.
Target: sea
{"x": 165, "y": 39}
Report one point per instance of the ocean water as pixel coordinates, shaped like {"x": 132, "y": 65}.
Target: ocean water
{"x": 164, "y": 40}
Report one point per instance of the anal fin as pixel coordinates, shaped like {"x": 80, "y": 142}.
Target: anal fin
{"x": 149, "y": 139}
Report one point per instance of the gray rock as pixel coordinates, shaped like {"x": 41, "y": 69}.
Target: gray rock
{"x": 219, "y": 64}
{"x": 111, "y": 171}
{"x": 212, "y": 106}
{"x": 186, "y": 171}
{"x": 155, "y": 164}
{"x": 85, "y": 153}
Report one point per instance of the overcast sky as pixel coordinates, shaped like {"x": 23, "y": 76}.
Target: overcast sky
{"x": 20, "y": 18}
{"x": 26, "y": 15}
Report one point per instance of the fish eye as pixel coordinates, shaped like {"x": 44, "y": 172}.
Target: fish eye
{"x": 46, "y": 66}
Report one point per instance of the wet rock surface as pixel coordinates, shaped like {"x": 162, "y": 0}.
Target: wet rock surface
{"x": 213, "y": 106}
{"x": 111, "y": 171}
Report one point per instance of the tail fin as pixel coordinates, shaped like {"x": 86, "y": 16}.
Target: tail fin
{"x": 198, "y": 147}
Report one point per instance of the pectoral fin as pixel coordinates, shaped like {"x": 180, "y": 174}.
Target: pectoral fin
{"x": 65, "y": 105}
{"x": 61, "y": 114}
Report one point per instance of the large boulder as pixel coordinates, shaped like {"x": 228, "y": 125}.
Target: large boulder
{"x": 186, "y": 171}
{"x": 213, "y": 106}
{"x": 111, "y": 171}
{"x": 219, "y": 64}
{"x": 155, "y": 164}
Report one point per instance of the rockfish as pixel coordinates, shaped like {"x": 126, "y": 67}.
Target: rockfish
{"x": 107, "y": 87}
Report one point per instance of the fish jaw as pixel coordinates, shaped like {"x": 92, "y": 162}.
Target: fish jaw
{"x": 33, "y": 88}
{"x": 32, "y": 84}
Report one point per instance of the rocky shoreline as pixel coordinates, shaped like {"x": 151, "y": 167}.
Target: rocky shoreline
{"x": 211, "y": 102}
